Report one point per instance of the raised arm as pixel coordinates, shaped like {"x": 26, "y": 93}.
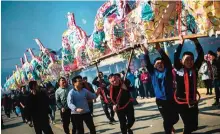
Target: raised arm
{"x": 164, "y": 56}
{"x": 177, "y": 63}
{"x": 95, "y": 82}
{"x": 200, "y": 52}
{"x": 149, "y": 66}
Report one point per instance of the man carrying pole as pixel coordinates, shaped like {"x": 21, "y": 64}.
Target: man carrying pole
{"x": 122, "y": 100}
{"x": 162, "y": 81}
{"x": 105, "y": 96}
{"x": 186, "y": 78}
{"x": 123, "y": 106}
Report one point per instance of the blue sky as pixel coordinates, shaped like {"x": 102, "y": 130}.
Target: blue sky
{"x": 23, "y": 21}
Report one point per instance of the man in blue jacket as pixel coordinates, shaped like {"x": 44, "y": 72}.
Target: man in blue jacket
{"x": 77, "y": 102}
{"x": 162, "y": 81}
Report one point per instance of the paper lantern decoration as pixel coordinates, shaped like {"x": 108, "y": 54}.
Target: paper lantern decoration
{"x": 114, "y": 26}
{"x": 50, "y": 65}
{"x": 96, "y": 45}
{"x": 11, "y": 83}
{"x": 28, "y": 69}
{"x": 74, "y": 40}
{"x": 36, "y": 66}
{"x": 206, "y": 14}
{"x": 45, "y": 55}
{"x": 17, "y": 76}
{"x": 24, "y": 78}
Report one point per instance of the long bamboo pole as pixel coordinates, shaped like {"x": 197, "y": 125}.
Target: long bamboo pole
{"x": 150, "y": 42}
{"x": 177, "y": 38}
{"x": 97, "y": 68}
{"x": 129, "y": 62}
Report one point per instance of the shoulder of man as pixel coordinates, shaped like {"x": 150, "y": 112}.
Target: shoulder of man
{"x": 71, "y": 92}
{"x": 58, "y": 90}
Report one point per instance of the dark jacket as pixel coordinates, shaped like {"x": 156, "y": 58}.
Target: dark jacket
{"x": 216, "y": 68}
{"x": 97, "y": 82}
{"x": 100, "y": 83}
{"x": 165, "y": 89}
{"x": 23, "y": 98}
{"x": 51, "y": 95}
{"x": 7, "y": 101}
{"x": 125, "y": 95}
{"x": 38, "y": 106}
{"x": 180, "y": 71}
{"x": 88, "y": 86}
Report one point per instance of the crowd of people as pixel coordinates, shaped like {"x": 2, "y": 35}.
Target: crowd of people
{"x": 173, "y": 86}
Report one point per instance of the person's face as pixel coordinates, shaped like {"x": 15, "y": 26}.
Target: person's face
{"x": 218, "y": 53}
{"x": 188, "y": 61}
{"x": 122, "y": 75}
{"x": 35, "y": 86}
{"x": 115, "y": 81}
{"x": 100, "y": 75}
{"x": 85, "y": 80}
{"x": 78, "y": 84}
{"x": 23, "y": 89}
{"x": 211, "y": 57}
{"x": 159, "y": 65}
{"x": 63, "y": 83}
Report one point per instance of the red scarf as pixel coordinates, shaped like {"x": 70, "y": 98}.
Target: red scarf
{"x": 102, "y": 93}
{"x": 118, "y": 98}
{"x": 187, "y": 88}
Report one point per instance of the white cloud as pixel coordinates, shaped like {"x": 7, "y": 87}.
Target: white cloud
{"x": 84, "y": 21}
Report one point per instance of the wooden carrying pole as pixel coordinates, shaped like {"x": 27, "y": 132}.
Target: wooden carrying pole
{"x": 177, "y": 38}
{"x": 150, "y": 42}
{"x": 97, "y": 68}
{"x": 129, "y": 62}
